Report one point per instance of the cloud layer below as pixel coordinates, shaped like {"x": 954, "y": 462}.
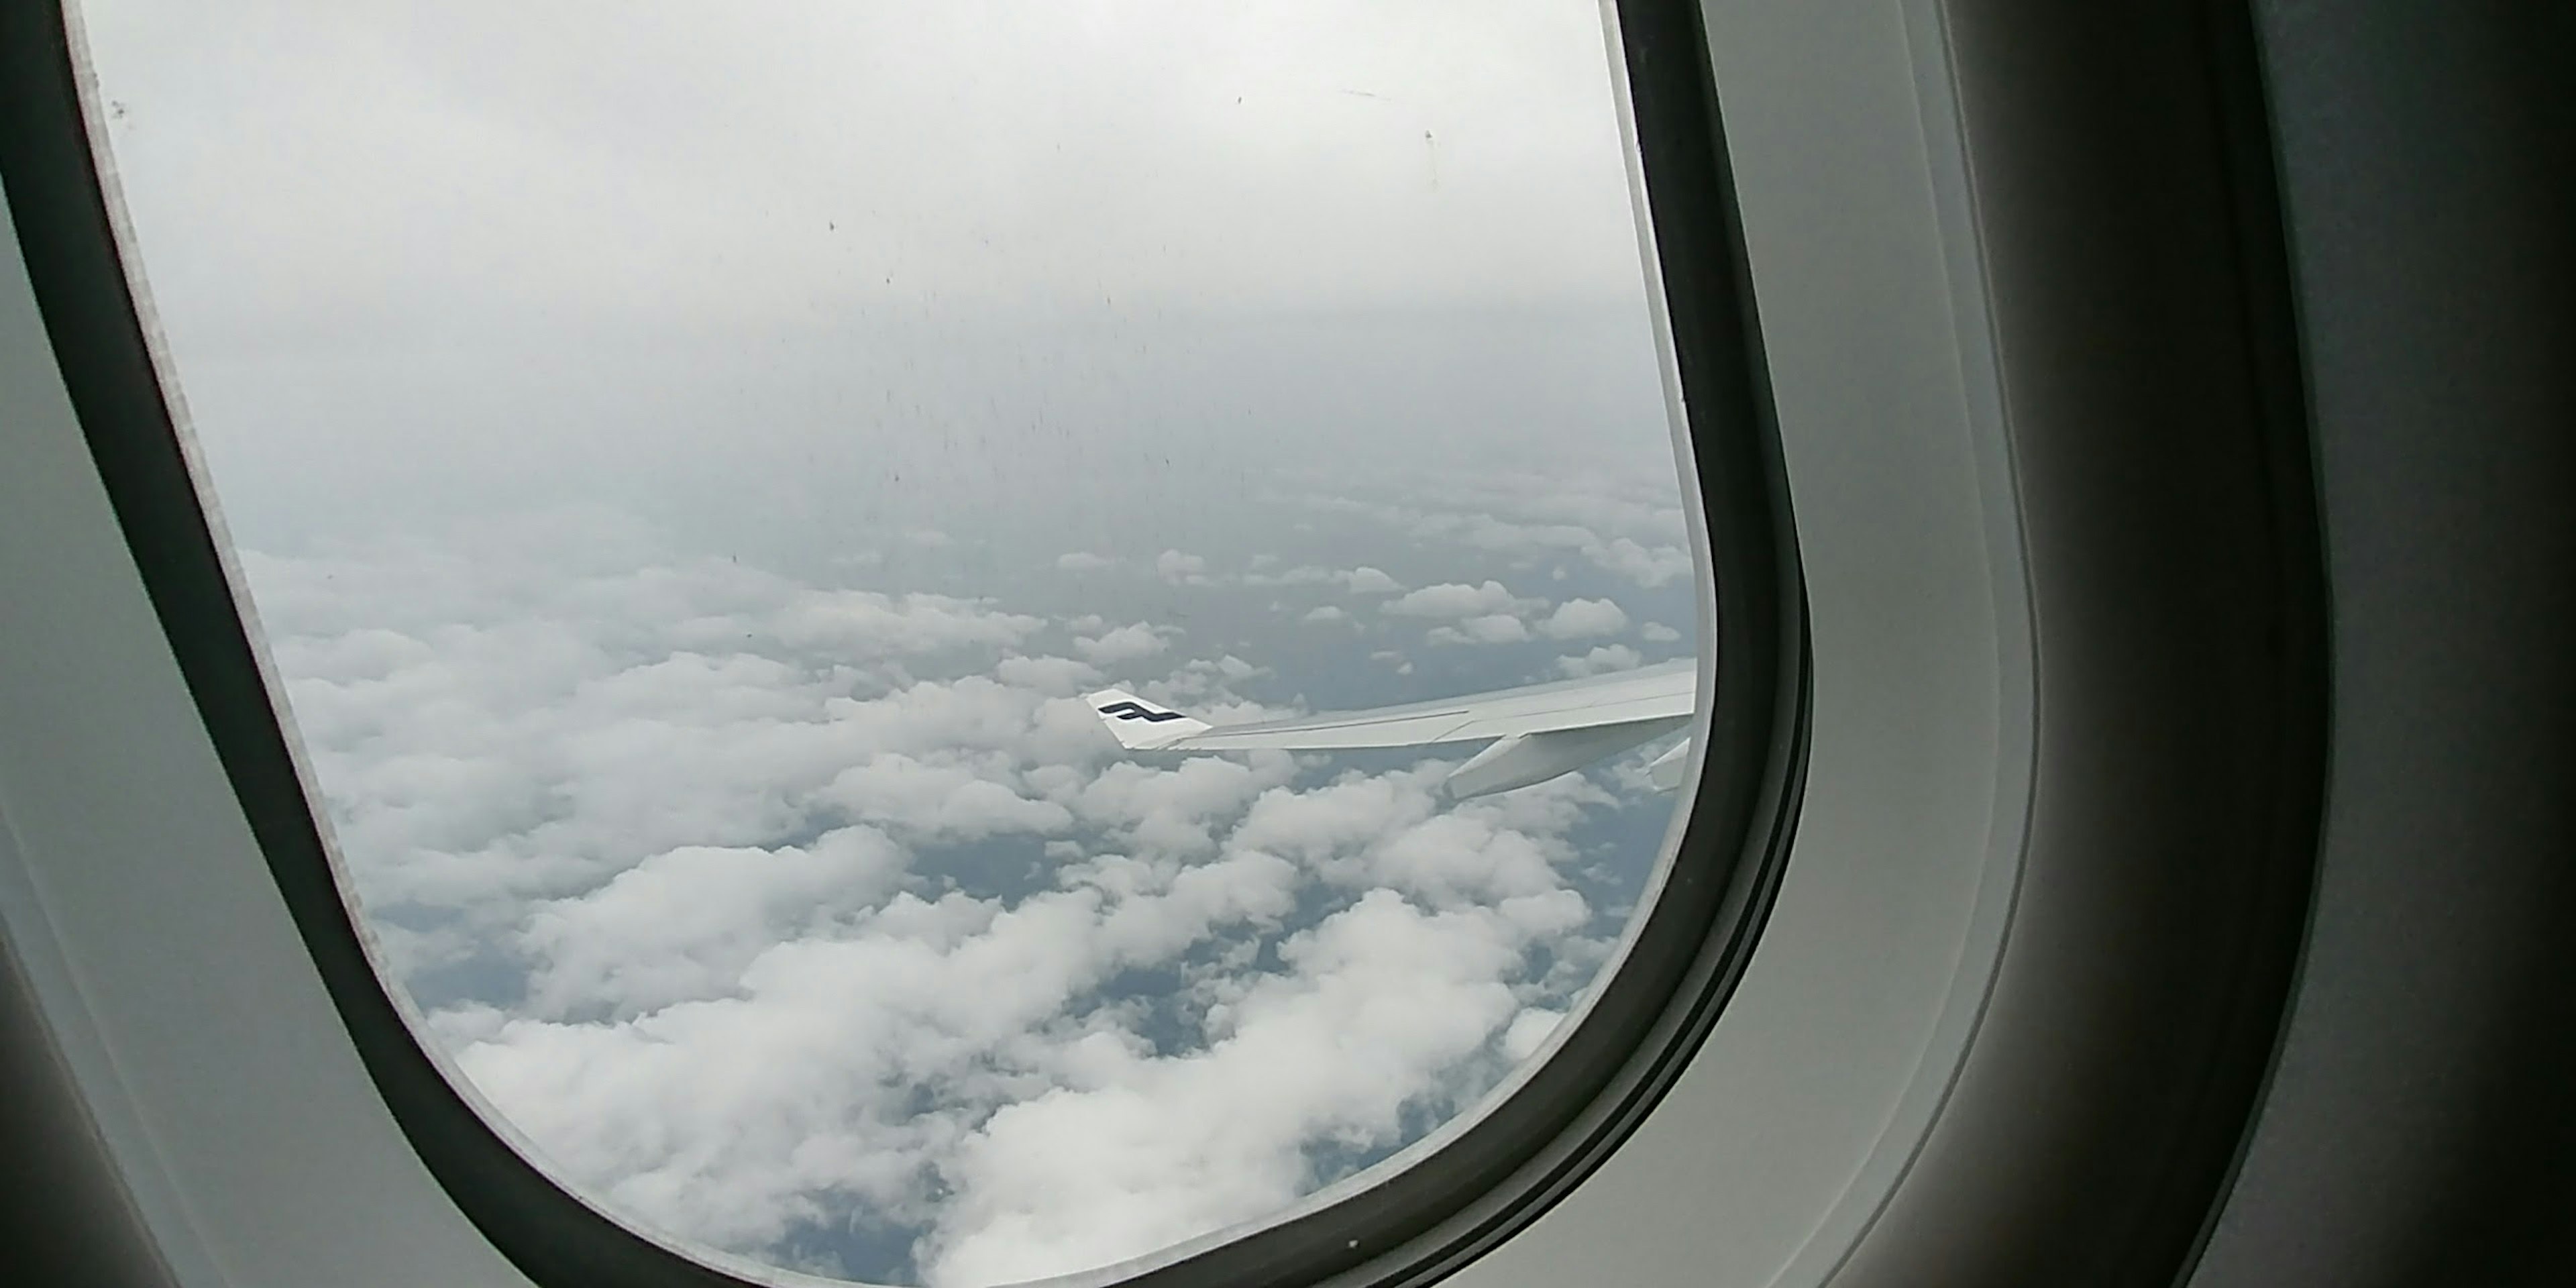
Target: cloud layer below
{"x": 824, "y": 924}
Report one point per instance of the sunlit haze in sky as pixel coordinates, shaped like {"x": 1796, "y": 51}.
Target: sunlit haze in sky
{"x": 688, "y": 461}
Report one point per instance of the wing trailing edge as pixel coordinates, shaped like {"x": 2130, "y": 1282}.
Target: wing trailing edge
{"x": 1527, "y": 759}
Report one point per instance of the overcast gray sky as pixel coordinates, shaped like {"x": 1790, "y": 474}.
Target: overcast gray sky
{"x": 456, "y": 166}
{"x": 689, "y": 460}
{"x": 880, "y": 257}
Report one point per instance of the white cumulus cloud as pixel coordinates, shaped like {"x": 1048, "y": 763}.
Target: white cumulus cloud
{"x": 1454, "y": 599}
{"x": 1601, "y": 660}
{"x": 1124, "y": 644}
{"x": 1365, "y": 580}
{"x": 1177, "y": 567}
{"x": 1644, "y": 565}
{"x": 1496, "y": 628}
{"x": 1579, "y": 618}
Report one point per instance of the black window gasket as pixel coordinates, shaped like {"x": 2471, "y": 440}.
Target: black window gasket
{"x": 1412, "y": 1227}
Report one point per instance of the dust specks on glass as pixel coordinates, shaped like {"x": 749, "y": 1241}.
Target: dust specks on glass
{"x": 764, "y": 519}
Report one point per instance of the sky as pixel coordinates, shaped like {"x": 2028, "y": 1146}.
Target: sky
{"x": 688, "y": 462}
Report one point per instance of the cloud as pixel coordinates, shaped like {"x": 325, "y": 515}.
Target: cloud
{"x": 1327, "y": 613}
{"x": 733, "y": 1118}
{"x": 1454, "y": 599}
{"x": 917, "y": 623}
{"x": 1390, "y": 832}
{"x": 1488, "y": 532}
{"x": 1363, "y": 580}
{"x": 1646, "y": 566}
{"x": 738, "y": 1090}
{"x": 1053, "y": 676}
{"x": 1658, "y": 633}
{"x": 683, "y": 924}
{"x": 1179, "y": 568}
{"x": 765, "y": 908}
{"x": 1625, "y": 525}
{"x": 935, "y": 802}
{"x": 1168, "y": 813}
{"x": 1578, "y": 618}
{"x": 1206, "y": 685}
{"x": 1496, "y": 628}
{"x": 1124, "y": 644}
{"x": 1565, "y": 506}
{"x": 752, "y": 937}
{"x": 1378, "y": 1000}
{"x": 1083, "y": 561}
{"x": 1601, "y": 660}
{"x": 1529, "y": 1030}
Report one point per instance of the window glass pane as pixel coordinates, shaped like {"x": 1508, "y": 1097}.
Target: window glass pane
{"x": 693, "y": 464}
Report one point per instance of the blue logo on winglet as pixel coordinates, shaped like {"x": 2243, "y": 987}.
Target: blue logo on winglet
{"x": 1138, "y": 711}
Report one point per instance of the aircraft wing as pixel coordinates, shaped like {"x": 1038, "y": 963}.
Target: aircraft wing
{"x": 1542, "y": 729}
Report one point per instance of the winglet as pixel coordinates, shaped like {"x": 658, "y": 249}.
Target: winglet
{"x": 1667, "y": 770}
{"x": 1139, "y": 725}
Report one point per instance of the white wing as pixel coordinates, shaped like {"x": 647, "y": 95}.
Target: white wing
{"x": 1541, "y": 731}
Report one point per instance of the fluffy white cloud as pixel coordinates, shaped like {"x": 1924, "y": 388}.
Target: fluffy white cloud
{"x": 1177, "y": 567}
{"x": 1124, "y": 644}
{"x": 1378, "y": 1001}
{"x": 1365, "y": 580}
{"x": 1497, "y": 628}
{"x": 1644, "y": 565}
{"x": 1627, "y": 526}
{"x": 1578, "y": 618}
{"x": 682, "y": 925}
{"x": 1174, "y": 812}
{"x": 765, "y": 1061}
{"x": 1394, "y": 658}
{"x": 1529, "y": 1030}
{"x": 1327, "y": 613}
{"x": 1601, "y": 660}
{"x": 1658, "y": 633}
{"x": 734, "y": 1117}
{"x": 1455, "y": 599}
{"x": 1390, "y": 831}
{"x": 937, "y": 802}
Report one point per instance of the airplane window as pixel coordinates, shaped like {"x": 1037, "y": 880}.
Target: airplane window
{"x": 945, "y": 643}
